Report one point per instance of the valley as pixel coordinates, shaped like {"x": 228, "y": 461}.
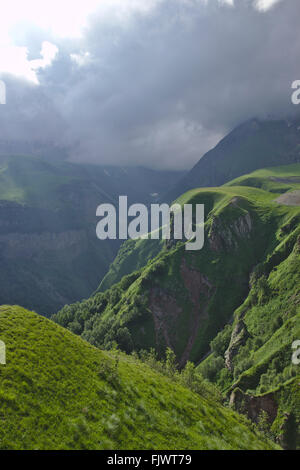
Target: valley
{"x": 149, "y": 231}
{"x": 234, "y": 303}
{"x": 209, "y": 329}
{"x": 49, "y": 252}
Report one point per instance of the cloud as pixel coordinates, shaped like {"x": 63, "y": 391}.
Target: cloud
{"x": 62, "y": 18}
{"x": 48, "y": 52}
{"x": 158, "y": 83}
{"x": 265, "y": 5}
{"x": 14, "y": 61}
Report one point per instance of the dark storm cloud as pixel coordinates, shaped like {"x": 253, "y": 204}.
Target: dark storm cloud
{"x": 160, "y": 88}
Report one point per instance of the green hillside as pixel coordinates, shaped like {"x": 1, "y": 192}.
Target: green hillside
{"x": 187, "y": 292}
{"x": 253, "y": 355}
{"x": 135, "y": 254}
{"x": 183, "y": 299}
{"x": 250, "y": 146}
{"x": 59, "y": 392}
{"x": 55, "y": 183}
{"x": 49, "y": 252}
{"x": 194, "y": 293}
{"x": 132, "y": 255}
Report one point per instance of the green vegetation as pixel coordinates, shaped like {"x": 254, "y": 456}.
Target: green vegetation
{"x": 243, "y": 227}
{"x": 260, "y": 362}
{"x": 238, "y": 296}
{"x": 170, "y": 334}
{"x": 49, "y": 252}
{"x": 132, "y": 255}
{"x": 59, "y": 392}
{"x": 252, "y": 145}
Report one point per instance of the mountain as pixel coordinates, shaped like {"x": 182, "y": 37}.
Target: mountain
{"x": 49, "y": 253}
{"x": 132, "y": 255}
{"x": 43, "y": 150}
{"x": 243, "y": 285}
{"x": 253, "y": 145}
{"x": 59, "y": 392}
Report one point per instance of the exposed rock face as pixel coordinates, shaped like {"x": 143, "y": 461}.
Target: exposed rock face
{"x": 27, "y": 245}
{"x": 238, "y": 338}
{"x": 289, "y": 436}
{"x": 46, "y": 258}
{"x": 254, "y": 405}
{"x": 225, "y": 237}
{"x": 297, "y": 245}
{"x": 215, "y": 239}
{"x": 166, "y": 310}
{"x": 198, "y": 286}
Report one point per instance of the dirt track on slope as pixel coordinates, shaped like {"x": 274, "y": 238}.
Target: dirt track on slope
{"x": 289, "y": 199}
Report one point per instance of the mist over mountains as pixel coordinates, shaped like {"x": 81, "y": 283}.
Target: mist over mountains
{"x": 142, "y": 343}
{"x": 155, "y": 85}
{"x": 252, "y": 145}
{"x": 49, "y": 252}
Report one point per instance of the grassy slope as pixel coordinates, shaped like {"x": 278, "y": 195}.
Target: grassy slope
{"x": 135, "y": 254}
{"x": 59, "y": 392}
{"x": 271, "y": 315}
{"x": 41, "y": 199}
{"x": 254, "y": 144}
{"x": 127, "y": 304}
{"x": 275, "y": 180}
{"x": 50, "y": 183}
{"x": 270, "y": 311}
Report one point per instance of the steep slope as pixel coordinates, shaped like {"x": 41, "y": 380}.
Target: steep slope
{"x": 45, "y": 183}
{"x": 244, "y": 285}
{"x": 49, "y": 252}
{"x": 252, "y": 358}
{"x": 252, "y": 145}
{"x": 58, "y": 392}
{"x": 132, "y": 255}
{"x": 135, "y": 254}
{"x": 194, "y": 293}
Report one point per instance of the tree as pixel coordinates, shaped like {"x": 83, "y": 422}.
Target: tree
{"x": 124, "y": 340}
{"x": 170, "y": 364}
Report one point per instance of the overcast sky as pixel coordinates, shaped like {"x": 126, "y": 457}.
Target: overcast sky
{"x": 148, "y": 82}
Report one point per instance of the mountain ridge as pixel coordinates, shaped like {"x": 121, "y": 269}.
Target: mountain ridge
{"x": 183, "y": 300}
{"x": 60, "y": 393}
{"x": 252, "y": 145}
{"x": 48, "y": 216}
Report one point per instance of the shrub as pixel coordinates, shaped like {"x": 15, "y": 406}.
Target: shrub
{"x": 220, "y": 343}
{"x": 124, "y": 340}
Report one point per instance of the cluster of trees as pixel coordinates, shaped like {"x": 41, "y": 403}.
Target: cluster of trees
{"x": 188, "y": 376}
